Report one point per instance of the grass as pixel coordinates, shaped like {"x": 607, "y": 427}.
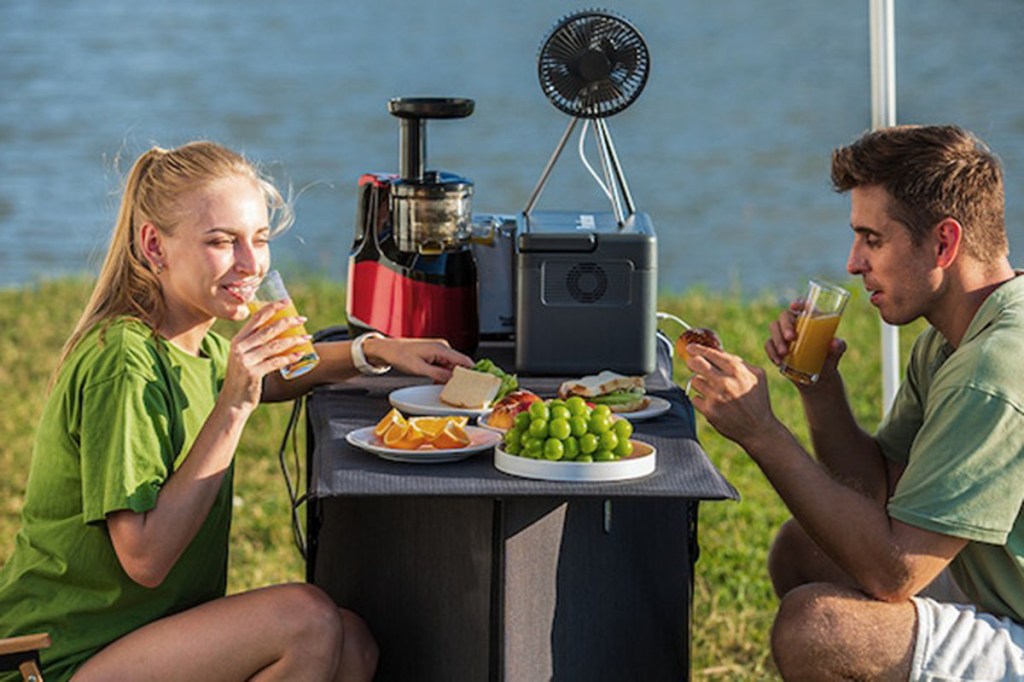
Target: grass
{"x": 733, "y": 602}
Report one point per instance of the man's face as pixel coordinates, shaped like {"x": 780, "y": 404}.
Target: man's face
{"x": 902, "y": 278}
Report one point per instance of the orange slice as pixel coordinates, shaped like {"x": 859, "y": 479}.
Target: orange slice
{"x": 430, "y": 426}
{"x": 407, "y": 438}
{"x": 452, "y": 437}
{"x": 392, "y": 418}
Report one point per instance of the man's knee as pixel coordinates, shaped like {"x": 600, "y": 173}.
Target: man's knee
{"x": 828, "y": 631}
{"x": 802, "y": 621}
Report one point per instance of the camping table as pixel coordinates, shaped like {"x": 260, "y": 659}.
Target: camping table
{"x": 466, "y": 573}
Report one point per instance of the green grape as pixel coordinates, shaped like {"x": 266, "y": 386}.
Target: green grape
{"x": 588, "y": 443}
{"x": 584, "y": 458}
{"x": 539, "y": 428}
{"x": 559, "y": 428}
{"x": 540, "y": 410}
{"x": 572, "y": 447}
{"x": 624, "y": 448}
{"x": 553, "y": 449}
{"x": 523, "y": 420}
{"x": 577, "y": 406}
{"x": 534, "y": 448}
{"x": 604, "y": 456}
{"x": 513, "y": 448}
{"x": 608, "y": 441}
{"x": 560, "y": 412}
{"x": 512, "y": 437}
{"x": 602, "y": 410}
{"x": 623, "y": 429}
{"x": 578, "y": 425}
{"x": 599, "y": 423}
{"x": 556, "y": 402}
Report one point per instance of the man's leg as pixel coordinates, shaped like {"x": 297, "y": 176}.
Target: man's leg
{"x": 285, "y": 632}
{"x": 794, "y": 560}
{"x": 831, "y": 632}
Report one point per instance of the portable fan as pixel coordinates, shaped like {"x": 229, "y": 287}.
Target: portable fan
{"x": 592, "y": 65}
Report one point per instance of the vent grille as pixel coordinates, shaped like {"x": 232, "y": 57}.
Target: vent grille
{"x": 590, "y": 283}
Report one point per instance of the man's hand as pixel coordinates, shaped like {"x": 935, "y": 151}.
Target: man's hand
{"x": 782, "y": 336}
{"x": 731, "y": 394}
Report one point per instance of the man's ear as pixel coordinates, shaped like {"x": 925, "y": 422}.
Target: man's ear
{"x": 151, "y": 244}
{"x": 948, "y": 237}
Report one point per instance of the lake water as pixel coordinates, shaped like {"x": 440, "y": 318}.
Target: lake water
{"x": 727, "y": 148}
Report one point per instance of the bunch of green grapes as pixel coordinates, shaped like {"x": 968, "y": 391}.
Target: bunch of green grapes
{"x": 569, "y": 430}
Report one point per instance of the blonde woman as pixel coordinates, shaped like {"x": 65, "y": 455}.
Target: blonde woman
{"x": 122, "y": 555}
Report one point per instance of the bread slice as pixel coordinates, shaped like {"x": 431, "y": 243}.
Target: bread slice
{"x": 469, "y": 389}
{"x": 599, "y": 384}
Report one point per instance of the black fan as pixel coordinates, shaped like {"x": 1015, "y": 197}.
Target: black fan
{"x": 593, "y": 64}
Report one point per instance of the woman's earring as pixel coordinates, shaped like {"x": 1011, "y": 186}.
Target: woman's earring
{"x": 159, "y": 268}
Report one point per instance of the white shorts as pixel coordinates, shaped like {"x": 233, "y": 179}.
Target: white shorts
{"x": 956, "y": 642}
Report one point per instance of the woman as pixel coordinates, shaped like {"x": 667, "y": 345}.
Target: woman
{"x": 122, "y": 555}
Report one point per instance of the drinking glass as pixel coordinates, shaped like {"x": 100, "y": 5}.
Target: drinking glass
{"x": 270, "y": 290}
{"x": 815, "y": 327}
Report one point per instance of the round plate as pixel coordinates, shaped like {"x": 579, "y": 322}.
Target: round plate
{"x": 425, "y": 400}
{"x": 482, "y": 439}
{"x": 656, "y": 407}
{"x": 641, "y": 463}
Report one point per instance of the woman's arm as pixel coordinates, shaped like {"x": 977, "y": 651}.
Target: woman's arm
{"x": 432, "y": 358}
{"x": 148, "y": 544}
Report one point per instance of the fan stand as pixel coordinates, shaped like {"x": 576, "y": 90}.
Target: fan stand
{"x": 615, "y": 179}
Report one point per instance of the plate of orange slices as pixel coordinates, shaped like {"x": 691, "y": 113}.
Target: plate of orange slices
{"x": 423, "y": 440}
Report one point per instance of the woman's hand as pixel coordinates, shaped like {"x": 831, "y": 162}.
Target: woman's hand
{"x": 256, "y": 351}
{"x": 432, "y": 358}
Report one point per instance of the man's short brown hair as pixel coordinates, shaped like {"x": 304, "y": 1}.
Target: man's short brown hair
{"x": 931, "y": 173}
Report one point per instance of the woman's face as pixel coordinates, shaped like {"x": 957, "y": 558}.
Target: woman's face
{"x": 218, "y": 253}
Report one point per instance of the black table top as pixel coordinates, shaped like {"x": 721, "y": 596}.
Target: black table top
{"x": 337, "y": 468}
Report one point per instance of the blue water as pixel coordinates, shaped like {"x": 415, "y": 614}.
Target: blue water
{"x": 727, "y": 148}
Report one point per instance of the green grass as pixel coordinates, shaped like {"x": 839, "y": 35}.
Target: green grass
{"x": 733, "y": 603}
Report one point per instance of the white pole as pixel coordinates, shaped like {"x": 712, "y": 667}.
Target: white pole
{"x": 883, "y": 114}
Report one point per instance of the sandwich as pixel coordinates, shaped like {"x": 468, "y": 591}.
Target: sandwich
{"x": 620, "y": 393}
{"x": 470, "y": 389}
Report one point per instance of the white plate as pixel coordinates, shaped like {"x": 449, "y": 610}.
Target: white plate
{"x": 482, "y": 439}
{"x": 641, "y": 463}
{"x": 425, "y": 400}
{"x": 656, "y": 407}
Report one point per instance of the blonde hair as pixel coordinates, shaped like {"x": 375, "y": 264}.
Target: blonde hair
{"x": 154, "y": 192}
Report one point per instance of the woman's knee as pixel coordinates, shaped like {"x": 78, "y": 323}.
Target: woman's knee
{"x": 310, "y": 618}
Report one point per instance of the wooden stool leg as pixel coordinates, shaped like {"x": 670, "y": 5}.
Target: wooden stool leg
{"x": 30, "y": 672}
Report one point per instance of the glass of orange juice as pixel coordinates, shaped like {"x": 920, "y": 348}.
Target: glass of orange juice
{"x": 272, "y": 289}
{"x": 815, "y": 328}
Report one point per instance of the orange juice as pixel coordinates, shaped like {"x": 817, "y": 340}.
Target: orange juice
{"x": 807, "y": 355}
{"x": 309, "y": 357}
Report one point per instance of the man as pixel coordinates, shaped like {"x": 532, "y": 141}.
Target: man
{"x": 876, "y": 519}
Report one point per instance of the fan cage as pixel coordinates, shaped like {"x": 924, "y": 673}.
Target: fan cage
{"x": 607, "y": 41}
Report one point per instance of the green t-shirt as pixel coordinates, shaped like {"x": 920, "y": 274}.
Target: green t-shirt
{"x": 122, "y": 416}
{"x": 958, "y": 425}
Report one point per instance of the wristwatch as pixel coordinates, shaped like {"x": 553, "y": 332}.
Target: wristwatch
{"x": 359, "y": 357}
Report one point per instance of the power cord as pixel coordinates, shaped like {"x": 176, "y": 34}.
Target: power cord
{"x": 291, "y": 434}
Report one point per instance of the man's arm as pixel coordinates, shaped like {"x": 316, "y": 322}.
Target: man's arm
{"x": 890, "y": 560}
